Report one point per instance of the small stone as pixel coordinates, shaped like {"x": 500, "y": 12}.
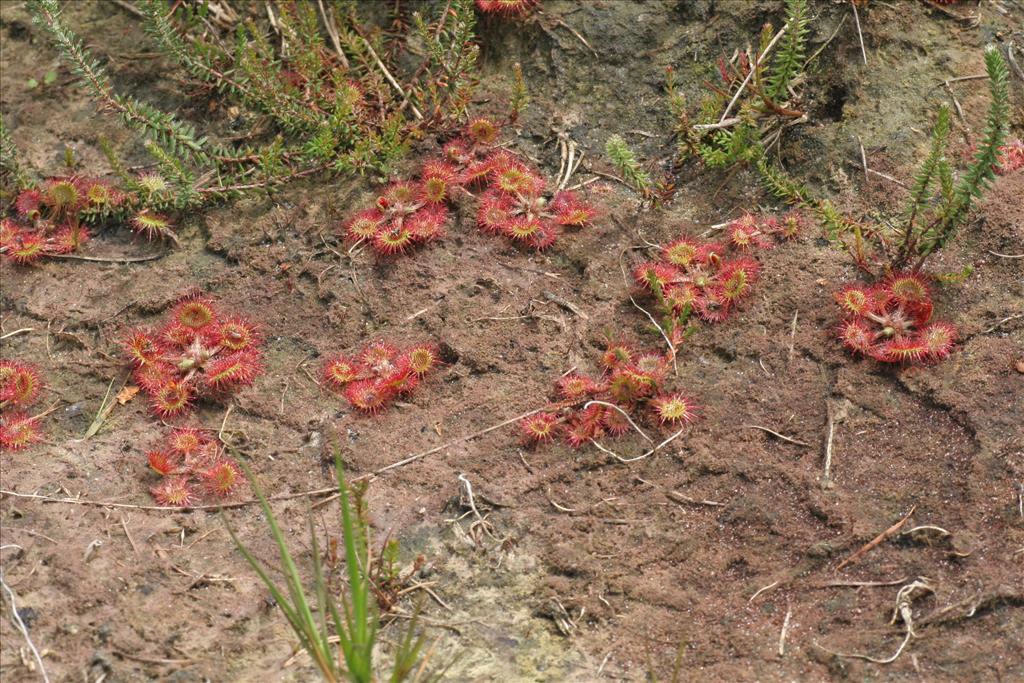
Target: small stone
{"x": 821, "y": 550}
{"x": 28, "y": 615}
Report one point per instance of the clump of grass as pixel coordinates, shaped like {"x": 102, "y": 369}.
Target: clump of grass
{"x": 319, "y": 618}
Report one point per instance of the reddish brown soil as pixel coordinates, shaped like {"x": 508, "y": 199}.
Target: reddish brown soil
{"x": 164, "y": 596}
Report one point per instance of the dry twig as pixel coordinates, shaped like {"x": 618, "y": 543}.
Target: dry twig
{"x": 391, "y": 79}
{"x": 753, "y": 69}
{"x": 111, "y": 259}
{"x": 129, "y": 7}
{"x": 623, "y": 413}
{"x": 826, "y": 43}
{"x": 1013, "y": 62}
{"x": 461, "y": 439}
{"x": 556, "y": 505}
{"x": 860, "y": 34}
{"x": 677, "y": 497}
{"x": 14, "y": 333}
{"x": 859, "y": 584}
{"x": 16, "y": 618}
{"x": 164, "y": 508}
{"x": 863, "y": 159}
{"x": 1004, "y": 320}
{"x": 559, "y": 22}
{"x": 777, "y": 435}
{"x": 792, "y": 335}
{"x": 567, "y": 305}
{"x": 128, "y": 535}
{"x": 770, "y": 586}
{"x": 671, "y": 347}
{"x": 29, "y": 532}
{"x": 639, "y": 457}
{"x": 888, "y": 177}
{"x": 785, "y": 630}
{"x": 332, "y": 32}
{"x": 331, "y": 491}
{"x": 877, "y": 540}
{"x": 836, "y": 413}
{"x": 973, "y": 604}
{"x": 480, "y": 524}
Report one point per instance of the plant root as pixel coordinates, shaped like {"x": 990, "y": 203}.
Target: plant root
{"x": 904, "y": 611}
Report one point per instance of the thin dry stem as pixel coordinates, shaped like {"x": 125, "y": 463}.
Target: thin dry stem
{"x": 860, "y": 34}
{"x": 904, "y": 611}
{"x": 391, "y": 79}
{"x": 777, "y": 435}
{"x": 1013, "y": 62}
{"x": 639, "y": 457}
{"x": 128, "y": 535}
{"x": 792, "y": 335}
{"x": 109, "y": 259}
{"x": 570, "y": 29}
{"x": 863, "y": 159}
{"x": 15, "y": 333}
{"x": 623, "y": 413}
{"x": 826, "y": 43}
{"x": 556, "y": 505}
{"x": 165, "y": 508}
{"x": 859, "y": 584}
{"x": 753, "y": 70}
{"x": 671, "y": 348}
{"x": 877, "y": 540}
{"x": 16, "y": 618}
{"x": 332, "y": 31}
{"x": 785, "y": 631}
{"x": 725, "y": 123}
{"x": 677, "y": 497}
{"x": 771, "y": 585}
{"x": 1004, "y": 320}
{"x": 470, "y": 437}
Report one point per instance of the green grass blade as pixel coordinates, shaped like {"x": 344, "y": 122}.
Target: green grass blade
{"x": 319, "y": 649}
{"x": 359, "y": 656}
{"x": 407, "y": 654}
{"x": 101, "y": 415}
{"x": 275, "y": 592}
{"x": 318, "y": 579}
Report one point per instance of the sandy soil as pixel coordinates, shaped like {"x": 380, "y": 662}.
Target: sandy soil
{"x": 125, "y": 594}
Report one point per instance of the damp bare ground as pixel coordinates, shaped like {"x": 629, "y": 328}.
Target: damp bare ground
{"x": 724, "y": 547}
